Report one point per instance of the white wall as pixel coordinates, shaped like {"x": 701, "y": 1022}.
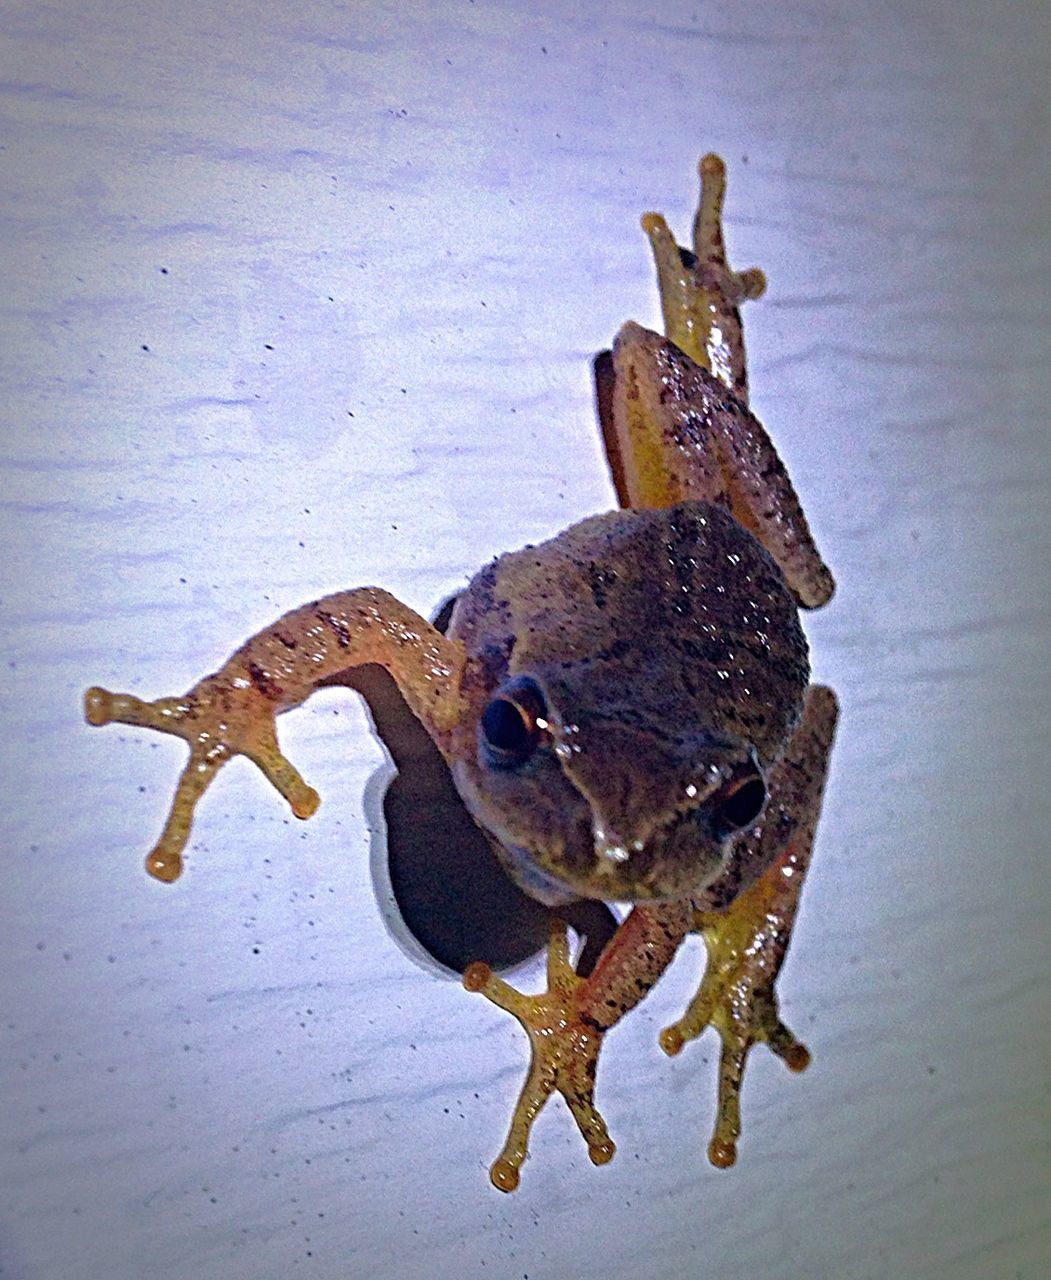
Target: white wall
{"x": 430, "y": 213}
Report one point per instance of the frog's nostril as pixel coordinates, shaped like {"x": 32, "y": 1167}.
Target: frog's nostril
{"x": 611, "y": 849}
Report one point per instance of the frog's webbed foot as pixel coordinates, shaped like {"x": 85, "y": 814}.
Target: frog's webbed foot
{"x": 747, "y": 940}
{"x": 219, "y": 719}
{"x": 746, "y": 948}
{"x": 566, "y": 1023}
{"x": 565, "y": 1047}
{"x": 700, "y": 292}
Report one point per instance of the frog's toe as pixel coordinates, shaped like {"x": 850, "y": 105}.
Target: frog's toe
{"x": 737, "y": 1042}
{"x": 792, "y": 1052}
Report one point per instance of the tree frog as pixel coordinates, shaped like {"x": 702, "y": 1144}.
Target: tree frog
{"x": 625, "y": 708}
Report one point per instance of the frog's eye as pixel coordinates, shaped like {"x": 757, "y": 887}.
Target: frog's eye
{"x": 737, "y": 803}
{"x": 513, "y": 725}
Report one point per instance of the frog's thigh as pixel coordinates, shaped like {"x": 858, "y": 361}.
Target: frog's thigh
{"x": 675, "y": 433}
{"x": 747, "y": 940}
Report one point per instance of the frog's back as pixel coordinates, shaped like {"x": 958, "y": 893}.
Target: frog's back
{"x": 674, "y": 615}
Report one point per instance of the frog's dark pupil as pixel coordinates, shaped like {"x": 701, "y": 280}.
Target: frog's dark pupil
{"x": 506, "y": 729}
{"x": 513, "y": 725}
{"x": 741, "y": 802}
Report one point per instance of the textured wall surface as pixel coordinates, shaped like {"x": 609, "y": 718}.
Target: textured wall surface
{"x": 301, "y": 297}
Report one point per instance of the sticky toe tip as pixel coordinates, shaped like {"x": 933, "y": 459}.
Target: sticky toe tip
{"x": 97, "y": 705}
{"x": 165, "y": 867}
{"x": 504, "y": 1176}
{"x": 602, "y": 1152}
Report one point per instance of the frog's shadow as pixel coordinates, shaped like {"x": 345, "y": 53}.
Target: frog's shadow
{"x": 440, "y": 888}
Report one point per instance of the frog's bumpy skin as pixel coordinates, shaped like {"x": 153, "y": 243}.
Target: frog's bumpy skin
{"x": 680, "y": 436}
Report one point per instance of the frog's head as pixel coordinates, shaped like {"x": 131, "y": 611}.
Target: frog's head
{"x": 628, "y": 684}
{"x": 606, "y": 804}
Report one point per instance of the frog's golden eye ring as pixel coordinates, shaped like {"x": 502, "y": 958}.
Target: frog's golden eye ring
{"x": 738, "y": 803}
{"x": 513, "y": 725}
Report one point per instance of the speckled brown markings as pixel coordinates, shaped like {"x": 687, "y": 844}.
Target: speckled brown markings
{"x": 646, "y": 691}
{"x": 635, "y": 958}
{"x": 691, "y": 440}
{"x": 662, "y": 677}
{"x": 264, "y": 683}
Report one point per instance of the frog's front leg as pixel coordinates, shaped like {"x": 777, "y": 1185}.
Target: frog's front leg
{"x": 232, "y": 712}
{"x": 747, "y": 940}
{"x": 566, "y": 1024}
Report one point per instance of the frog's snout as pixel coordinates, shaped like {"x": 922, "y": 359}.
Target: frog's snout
{"x": 671, "y": 850}
{"x": 616, "y": 845}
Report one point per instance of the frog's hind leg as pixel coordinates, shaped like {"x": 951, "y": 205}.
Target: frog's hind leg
{"x": 673, "y": 411}
{"x": 233, "y": 711}
{"x": 748, "y": 939}
{"x": 678, "y": 435}
{"x": 700, "y": 293}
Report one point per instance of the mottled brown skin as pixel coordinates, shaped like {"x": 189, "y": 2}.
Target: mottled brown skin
{"x": 666, "y": 691}
{"x": 686, "y": 436}
{"x": 669, "y": 653}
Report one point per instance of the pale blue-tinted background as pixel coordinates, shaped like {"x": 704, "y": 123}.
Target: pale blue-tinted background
{"x": 425, "y": 216}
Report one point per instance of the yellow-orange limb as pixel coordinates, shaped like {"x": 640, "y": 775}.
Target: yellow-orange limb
{"x": 633, "y": 960}
{"x": 566, "y": 1024}
{"x": 564, "y": 1057}
{"x": 748, "y": 940}
{"x": 232, "y": 711}
{"x": 700, "y": 293}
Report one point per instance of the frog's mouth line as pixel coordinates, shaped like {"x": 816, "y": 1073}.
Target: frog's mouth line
{"x": 603, "y": 885}
{"x": 540, "y": 885}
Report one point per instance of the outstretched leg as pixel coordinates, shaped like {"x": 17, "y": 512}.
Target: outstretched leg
{"x": 747, "y": 941}
{"x": 674, "y": 410}
{"x": 566, "y": 1024}
{"x": 232, "y": 711}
